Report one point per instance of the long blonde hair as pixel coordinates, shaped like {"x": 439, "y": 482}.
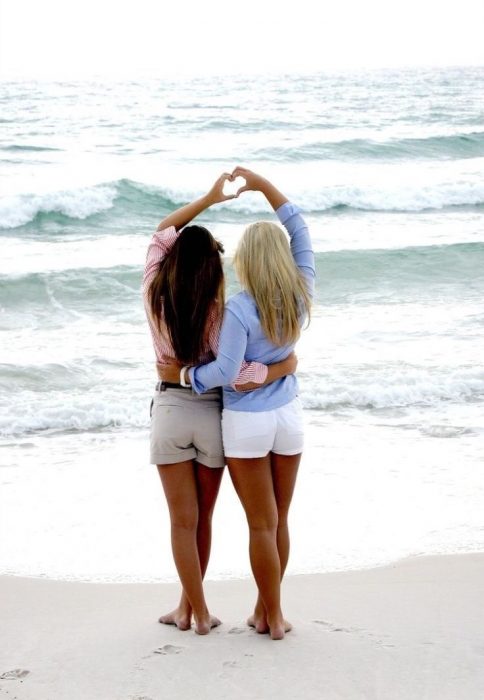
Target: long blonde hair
{"x": 265, "y": 267}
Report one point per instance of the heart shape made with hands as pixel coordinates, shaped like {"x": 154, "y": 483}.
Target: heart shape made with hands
{"x": 233, "y": 186}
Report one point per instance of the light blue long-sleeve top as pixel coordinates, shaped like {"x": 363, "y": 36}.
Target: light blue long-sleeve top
{"x": 242, "y": 337}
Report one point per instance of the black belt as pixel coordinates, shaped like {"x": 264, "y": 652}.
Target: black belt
{"x": 163, "y": 386}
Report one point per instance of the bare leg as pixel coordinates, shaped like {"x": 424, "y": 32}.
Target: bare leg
{"x": 284, "y": 473}
{"x": 252, "y": 479}
{"x": 208, "y": 485}
{"x": 181, "y": 491}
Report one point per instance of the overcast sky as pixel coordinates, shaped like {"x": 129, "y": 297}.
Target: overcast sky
{"x": 136, "y": 38}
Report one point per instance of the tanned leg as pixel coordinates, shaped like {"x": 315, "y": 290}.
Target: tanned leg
{"x": 208, "y": 485}
{"x": 284, "y": 473}
{"x": 180, "y": 486}
{"x": 252, "y": 479}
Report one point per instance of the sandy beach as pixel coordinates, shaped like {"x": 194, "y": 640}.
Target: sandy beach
{"x": 387, "y": 167}
{"x": 411, "y": 630}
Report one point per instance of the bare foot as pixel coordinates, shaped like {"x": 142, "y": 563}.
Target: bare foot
{"x": 279, "y": 629}
{"x": 181, "y": 618}
{"x": 258, "y": 623}
{"x": 259, "y": 619}
{"x": 204, "y": 625}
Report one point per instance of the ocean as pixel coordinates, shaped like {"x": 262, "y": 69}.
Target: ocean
{"x": 388, "y": 168}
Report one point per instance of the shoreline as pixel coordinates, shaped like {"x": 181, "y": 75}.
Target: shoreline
{"x": 241, "y": 578}
{"x": 359, "y": 508}
{"x": 412, "y": 629}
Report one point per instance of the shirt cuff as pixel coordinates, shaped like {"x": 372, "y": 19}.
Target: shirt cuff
{"x": 260, "y": 373}
{"x": 254, "y": 372}
{"x": 196, "y": 388}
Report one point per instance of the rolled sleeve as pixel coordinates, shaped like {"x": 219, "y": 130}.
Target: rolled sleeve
{"x": 251, "y": 372}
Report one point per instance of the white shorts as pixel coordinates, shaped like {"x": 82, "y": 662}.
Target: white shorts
{"x": 256, "y": 433}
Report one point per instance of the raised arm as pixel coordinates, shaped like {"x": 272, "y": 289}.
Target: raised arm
{"x": 257, "y": 183}
{"x": 182, "y": 216}
{"x": 289, "y": 216}
{"x": 167, "y": 231}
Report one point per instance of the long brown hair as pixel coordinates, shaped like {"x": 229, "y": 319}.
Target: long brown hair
{"x": 266, "y": 268}
{"x": 189, "y": 282}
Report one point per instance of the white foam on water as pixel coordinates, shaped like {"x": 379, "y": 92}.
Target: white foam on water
{"x": 21, "y": 257}
{"x": 393, "y": 463}
{"x": 383, "y": 187}
{"x": 93, "y": 508}
{"x": 391, "y": 388}
{"x": 315, "y": 186}
{"x": 375, "y": 231}
{"x": 20, "y": 209}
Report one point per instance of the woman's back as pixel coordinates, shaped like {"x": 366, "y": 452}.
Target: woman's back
{"x": 183, "y": 291}
{"x": 243, "y": 338}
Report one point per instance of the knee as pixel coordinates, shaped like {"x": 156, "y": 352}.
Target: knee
{"x": 261, "y": 524}
{"x": 184, "y": 521}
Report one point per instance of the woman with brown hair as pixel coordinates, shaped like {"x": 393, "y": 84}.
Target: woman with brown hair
{"x": 183, "y": 291}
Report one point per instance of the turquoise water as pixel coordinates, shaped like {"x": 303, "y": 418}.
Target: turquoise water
{"x": 388, "y": 168}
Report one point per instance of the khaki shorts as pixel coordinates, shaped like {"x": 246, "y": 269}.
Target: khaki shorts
{"x": 186, "y": 425}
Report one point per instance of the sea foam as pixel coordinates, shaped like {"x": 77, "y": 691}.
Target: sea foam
{"x": 387, "y": 190}
{"x": 377, "y": 389}
{"x": 20, "y": 209}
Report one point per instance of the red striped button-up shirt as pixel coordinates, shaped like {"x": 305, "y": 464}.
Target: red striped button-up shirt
{"x": 160, "y": 245}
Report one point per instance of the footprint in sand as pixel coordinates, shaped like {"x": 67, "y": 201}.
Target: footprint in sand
{"x": 237, "y": 630}
{"x": 331, "y": 627}
{"x": 231, "y": 664}
{"x": 168, "y": 649}
{"x": 16, "y": 673}
{"x": 359, "y": 631}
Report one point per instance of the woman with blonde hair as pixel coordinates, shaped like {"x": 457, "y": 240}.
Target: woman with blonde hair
{"x": 263, "y": 429}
